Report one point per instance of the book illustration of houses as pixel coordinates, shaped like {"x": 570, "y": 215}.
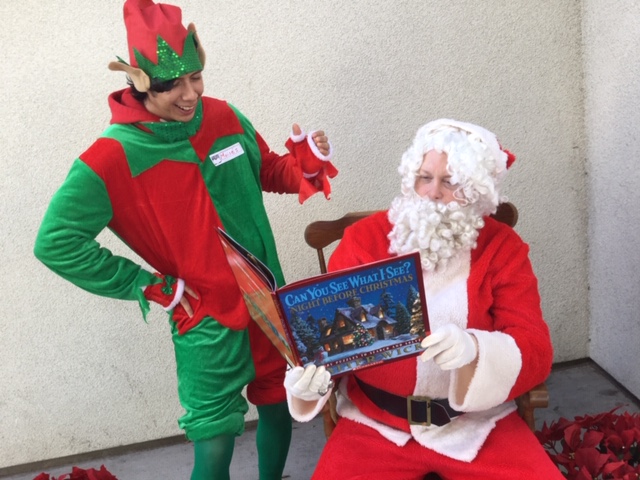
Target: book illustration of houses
{"x": 355, "y": 326}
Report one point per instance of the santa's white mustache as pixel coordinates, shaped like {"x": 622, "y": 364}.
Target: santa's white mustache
{"x": 438, "y": 231}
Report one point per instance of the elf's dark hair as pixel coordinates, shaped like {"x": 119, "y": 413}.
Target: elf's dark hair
{"x": 156, "y": 86}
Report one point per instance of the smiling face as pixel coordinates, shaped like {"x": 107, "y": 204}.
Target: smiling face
{"x": 433, "y": 180}
{"x": 179, "y": 103}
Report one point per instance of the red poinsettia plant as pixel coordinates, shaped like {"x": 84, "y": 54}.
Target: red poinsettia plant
{"x": 595, "y": 447}
{"x": 80, "y": 474}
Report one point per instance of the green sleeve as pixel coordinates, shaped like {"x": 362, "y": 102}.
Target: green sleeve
{"x": 66, "y": 243}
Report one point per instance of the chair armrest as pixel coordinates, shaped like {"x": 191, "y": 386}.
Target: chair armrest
{"x": 329, "y": 415}
{"x": 537, "y": 397}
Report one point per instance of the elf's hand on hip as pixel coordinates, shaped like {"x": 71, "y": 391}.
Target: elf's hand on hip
{"x": 170, "y": 293}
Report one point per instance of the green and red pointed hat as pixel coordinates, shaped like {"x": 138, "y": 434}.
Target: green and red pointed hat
{"x": 160, "y": 47}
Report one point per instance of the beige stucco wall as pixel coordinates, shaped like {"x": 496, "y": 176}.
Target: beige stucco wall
{"x": 81, "y": 373}
{"x": 612, "y": 118}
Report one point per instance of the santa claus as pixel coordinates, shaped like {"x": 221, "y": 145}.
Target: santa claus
{"x": 451, "y": 409}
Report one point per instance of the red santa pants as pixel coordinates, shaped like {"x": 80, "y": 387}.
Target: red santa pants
{"x": 357, "y": 452}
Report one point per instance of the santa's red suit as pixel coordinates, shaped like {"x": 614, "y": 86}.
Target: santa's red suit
{"x": 491, "y": 292}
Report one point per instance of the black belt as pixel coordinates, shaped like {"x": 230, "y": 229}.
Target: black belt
{"x": 417, "y": 410}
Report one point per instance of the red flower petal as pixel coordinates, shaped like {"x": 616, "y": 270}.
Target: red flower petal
{"x": 591, "y": 459}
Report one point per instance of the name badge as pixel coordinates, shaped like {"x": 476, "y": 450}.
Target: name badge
{"x": 229, "y": 153}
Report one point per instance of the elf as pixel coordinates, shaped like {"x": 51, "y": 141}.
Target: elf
{"x": 172, "y": 167}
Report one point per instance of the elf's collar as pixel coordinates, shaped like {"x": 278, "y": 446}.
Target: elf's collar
{"x": 176, "y": 131}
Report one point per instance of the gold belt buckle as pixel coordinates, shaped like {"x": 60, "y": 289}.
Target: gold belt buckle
{"x": 417, "y": 398}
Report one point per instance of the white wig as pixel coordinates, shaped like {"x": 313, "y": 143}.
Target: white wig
{"x": 475, "y": 161}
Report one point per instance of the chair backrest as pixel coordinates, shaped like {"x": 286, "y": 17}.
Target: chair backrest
{"x": 322, "y": 233}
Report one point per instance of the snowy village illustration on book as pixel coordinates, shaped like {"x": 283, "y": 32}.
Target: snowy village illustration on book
{"x": 345, "y": 320}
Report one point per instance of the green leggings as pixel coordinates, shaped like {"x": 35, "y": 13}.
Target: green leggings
{"x": 273, "y": 436}
{"x": 214, "y": 364}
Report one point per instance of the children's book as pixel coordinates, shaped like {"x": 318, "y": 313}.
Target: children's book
{"x": 345, "y": 320}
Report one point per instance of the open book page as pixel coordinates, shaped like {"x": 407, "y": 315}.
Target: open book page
{"x": 345, "y": 320}
{"x": 257, "y": 285}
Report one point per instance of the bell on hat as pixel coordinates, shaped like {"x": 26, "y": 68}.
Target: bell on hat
{"x": 160, "y": 47}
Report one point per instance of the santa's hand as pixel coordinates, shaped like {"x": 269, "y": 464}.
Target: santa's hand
{"x": 450, "y": 347}
{"x": 309, "y": 384}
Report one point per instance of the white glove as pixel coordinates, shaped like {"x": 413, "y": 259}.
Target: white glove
{"x": 309, "y": 384}
{"x": 450, "y": 347}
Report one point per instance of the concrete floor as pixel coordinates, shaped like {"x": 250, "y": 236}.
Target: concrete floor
{"x": 574, "y": 389}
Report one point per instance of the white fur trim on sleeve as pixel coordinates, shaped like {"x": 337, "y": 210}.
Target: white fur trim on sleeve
{"x": 499, "y": 364}
{"x": 303, "y": 410}
{"x": 298, "y": 138}
{"x": 177, "y": 297}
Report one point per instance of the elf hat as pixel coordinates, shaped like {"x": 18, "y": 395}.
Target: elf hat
{"x": 160, "y": 47}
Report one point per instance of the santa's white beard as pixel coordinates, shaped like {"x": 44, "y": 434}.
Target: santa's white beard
{"x": 437, "y": 231}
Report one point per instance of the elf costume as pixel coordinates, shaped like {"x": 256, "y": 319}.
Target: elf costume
{"x": 163, "y": 188}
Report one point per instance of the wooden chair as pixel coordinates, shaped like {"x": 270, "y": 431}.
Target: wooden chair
{"x": 322, "y": 233}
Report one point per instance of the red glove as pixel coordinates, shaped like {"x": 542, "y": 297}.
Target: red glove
{"x": 316, "y": 167}
{"x": 167, "y": 293}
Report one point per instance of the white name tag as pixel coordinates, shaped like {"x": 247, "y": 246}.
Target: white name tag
{"x": 229, "y": 153}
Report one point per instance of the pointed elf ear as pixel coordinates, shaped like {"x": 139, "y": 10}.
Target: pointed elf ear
{"x": 199, "y": 49}
{"x": 140, "y": 80}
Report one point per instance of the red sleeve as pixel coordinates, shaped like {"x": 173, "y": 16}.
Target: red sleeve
{"x": 363, "y": 242}
{"x": 279, "y": 173}
{"x": 515, "y": 304}
{"x": 518, "y": 313}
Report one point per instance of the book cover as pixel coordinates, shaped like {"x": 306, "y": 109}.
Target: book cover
{"x": 345, "y": 320}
